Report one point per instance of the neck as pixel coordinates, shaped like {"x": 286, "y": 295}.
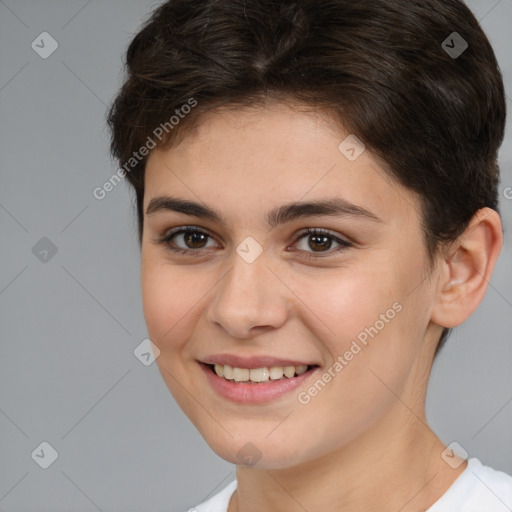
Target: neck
{"x": 395, "y": 465}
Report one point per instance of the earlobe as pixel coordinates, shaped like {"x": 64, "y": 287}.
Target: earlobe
{"x": 467, "y": 269}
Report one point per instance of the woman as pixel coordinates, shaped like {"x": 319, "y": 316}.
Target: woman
{"x": 316, "y": 189}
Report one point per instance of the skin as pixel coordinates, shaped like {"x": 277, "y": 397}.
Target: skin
{"x": 363, "y": 442}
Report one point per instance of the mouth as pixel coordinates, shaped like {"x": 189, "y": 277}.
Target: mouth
{"x": 258, "y": 375}
{"x": 256, "y": 385}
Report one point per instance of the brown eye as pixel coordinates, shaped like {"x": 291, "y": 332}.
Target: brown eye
{"x": 320, "y": 242}
{"x": 317, "y": 240}
{"x": 186, "y": 240}
{"x": 194, "y": 239}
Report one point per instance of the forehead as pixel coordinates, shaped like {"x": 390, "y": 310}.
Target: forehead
{"x": 241, "y": 160}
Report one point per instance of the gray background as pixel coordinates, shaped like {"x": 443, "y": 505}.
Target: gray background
{"x": 69, "y": 325}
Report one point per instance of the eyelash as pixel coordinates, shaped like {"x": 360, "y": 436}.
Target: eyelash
{"x": 166, "y": 240}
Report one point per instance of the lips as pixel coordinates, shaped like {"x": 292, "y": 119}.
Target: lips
{"x": 255, "y": 392}
{"x": 235, "y": 386}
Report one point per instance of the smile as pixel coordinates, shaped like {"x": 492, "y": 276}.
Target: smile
{"x": 258, "y": 374}
{"x": 256, "y": 385}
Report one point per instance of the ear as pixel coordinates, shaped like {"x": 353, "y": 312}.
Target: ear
{"x": 467, "y": 268}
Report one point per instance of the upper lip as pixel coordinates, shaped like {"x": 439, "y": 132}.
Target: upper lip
{"x": 252, "y": 362}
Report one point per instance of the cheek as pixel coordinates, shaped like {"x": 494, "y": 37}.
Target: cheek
{"x": 365, "y": 318}
{"x": 343, "y": 302}
{"x": 169, "y": 296}
{"x": 365, "y": 332}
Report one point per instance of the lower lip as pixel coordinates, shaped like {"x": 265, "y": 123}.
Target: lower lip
{"x": 256, "y": 392}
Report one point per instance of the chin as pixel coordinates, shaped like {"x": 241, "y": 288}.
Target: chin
{"x": 259, "y": 453}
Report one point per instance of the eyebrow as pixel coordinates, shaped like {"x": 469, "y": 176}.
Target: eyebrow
{"x": 280, "y": 215}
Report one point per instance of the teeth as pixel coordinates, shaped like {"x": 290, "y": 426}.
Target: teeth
{"x": 289, "y": 371}
{"x": 276, "y": 372}
{"x": 301, "y": 369}
{"x": 240, "y": 374}
{"x": 258, "y": 374}
{"x": 228, "y": 372}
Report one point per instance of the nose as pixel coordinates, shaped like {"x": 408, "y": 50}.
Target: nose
{"x": 250, "y": 299}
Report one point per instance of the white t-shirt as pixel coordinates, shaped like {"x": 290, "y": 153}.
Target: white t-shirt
{"x": 478, "y": 489}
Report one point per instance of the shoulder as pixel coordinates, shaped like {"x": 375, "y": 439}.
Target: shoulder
{"x": 479, "y": 488}
{"x": 218, "y": 502}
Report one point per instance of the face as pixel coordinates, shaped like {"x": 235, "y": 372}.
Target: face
{"x": 341, "y": 291}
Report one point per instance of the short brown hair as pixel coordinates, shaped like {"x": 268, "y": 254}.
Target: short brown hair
{"x": 381, "y": 68}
